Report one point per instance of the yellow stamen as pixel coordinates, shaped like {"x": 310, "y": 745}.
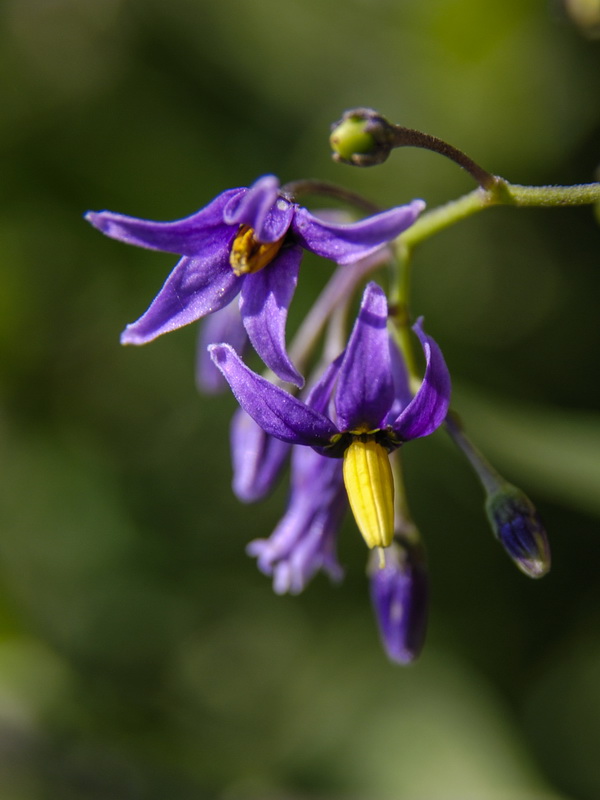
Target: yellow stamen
{"x": 249, "y": 255}
{"x": 370, "y": 486}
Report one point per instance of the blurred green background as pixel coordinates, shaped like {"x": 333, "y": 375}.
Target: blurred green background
{"x": 142, "y": 655}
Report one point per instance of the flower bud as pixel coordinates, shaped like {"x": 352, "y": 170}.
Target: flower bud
{"x": 362, "y": 138}
{"x": 518, "y": 528}
{"x": 400, "y": 593}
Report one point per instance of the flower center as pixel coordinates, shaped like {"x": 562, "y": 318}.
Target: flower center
{"x": 249, "y": 255}
{"x": 370, "y": 487}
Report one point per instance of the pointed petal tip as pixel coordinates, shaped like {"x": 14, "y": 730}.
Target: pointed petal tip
{"x": 286, "y": 372}
{"x": 418, "y": 326}
{"x": 131, "y": 337}
{"x": 372, "y": 290}
{"x": 417, "y": 206}
{"x": 296, "y": 379}
{"x": 402, "y": 657}
{"x": 219, "y": 353}
{"x": 94, "y": 218}
{"x": 267, "y": 181}
{"x": 107, "y": 223}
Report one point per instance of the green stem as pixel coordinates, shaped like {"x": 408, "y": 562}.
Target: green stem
{"x": 503, "y": 193}
{"x": 399, "y": 312}
{"x": 407, "y": 137}
{"x": 580, "y": 195}
{"x": 490, "y": 478}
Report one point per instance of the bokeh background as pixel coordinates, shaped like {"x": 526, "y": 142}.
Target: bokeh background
{"x": 142, "y": 655}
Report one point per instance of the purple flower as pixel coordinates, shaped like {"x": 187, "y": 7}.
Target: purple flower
{"x": 304, "y": 540}
{"x": 400, "y": 594}
{"x": 371, "y": 414}
{"x": 247, "y": 242}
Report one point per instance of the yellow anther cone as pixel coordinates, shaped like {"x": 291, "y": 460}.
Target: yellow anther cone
{"x": 248, "y": 255}
{"x": 370, "y": 487}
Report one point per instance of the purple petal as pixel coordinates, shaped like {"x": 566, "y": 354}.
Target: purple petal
{"x": 428, "y": 408}
{"x": 202, "y": 232}
{"x": 399, "y": 593}
{"x": 346, "y": 244}
{"x": 257, "y": 458}
{"x": 365, "y": 390}
{"x": 264, "y": 303}
{"x": 276, "y": 411}
{"x": 261, "y": 208}
{"x": 224, "y": 325}
{"x": 304, "y": 541}
{"x": 196, "y": 287}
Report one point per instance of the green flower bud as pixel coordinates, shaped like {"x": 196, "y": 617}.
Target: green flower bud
{"x": 362, "y": 138}
{"x": 350, "y": 138}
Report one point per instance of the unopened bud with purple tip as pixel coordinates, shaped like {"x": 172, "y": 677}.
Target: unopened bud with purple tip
{"x": 400, "y": 595}
{"x": 513, "y": 517}
{"x": 518, "y": 528}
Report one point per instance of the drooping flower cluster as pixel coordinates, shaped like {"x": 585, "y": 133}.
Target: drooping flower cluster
{"x": 341, "y": 434}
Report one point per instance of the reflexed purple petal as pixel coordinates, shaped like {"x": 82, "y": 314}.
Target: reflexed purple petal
{"x": 257, "y": 458}
{"x": 226, "y": 326}
{"x": 202, "y": 232}
{"x": 276, "y": 411}
{"x": 196, "y": 287}
{"x": 262, "y": 209}
{"x": 399, "y": 592}
{"x": 365, "y": 389}
{"x": 304, "y": 541}
{"x": 264, "y": 303}
{"x": 346, "y": 244}
{"x": 428, "y": 408}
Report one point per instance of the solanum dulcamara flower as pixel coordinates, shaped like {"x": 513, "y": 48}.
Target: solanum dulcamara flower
{"x": 247, "y": 241}
{"x": 356, "y": 411}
